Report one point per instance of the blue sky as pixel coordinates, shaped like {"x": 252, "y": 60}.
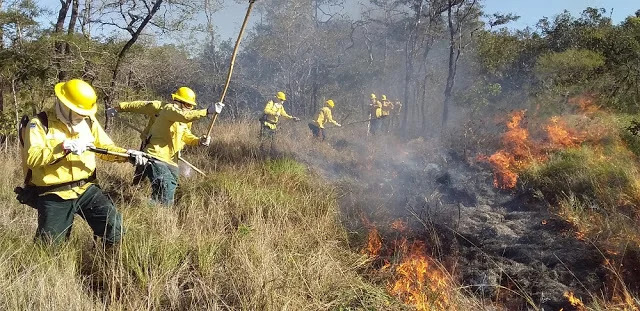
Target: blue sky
{"x": 228, "y": 20}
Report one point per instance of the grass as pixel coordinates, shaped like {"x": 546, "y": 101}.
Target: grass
{"x": 256, "y": 234}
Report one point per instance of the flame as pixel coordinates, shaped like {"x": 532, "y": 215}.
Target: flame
{"x": 586, "y": 103}
{"x": 374, "y": 244}
{"x": 399, "y": 225}
{"x": 559, "y": 136}
{"x": 574, "y": 301}
{"x": 519, "y": 151}
{"x": 418, "y": 283}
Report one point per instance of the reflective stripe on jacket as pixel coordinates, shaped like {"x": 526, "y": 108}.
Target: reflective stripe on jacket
{"x": 42, "y": 148}
{"x": 148, "y": 108}
{"x": 171, "y": 131}
{"x": 274, "y": 111}
{"x": 324, "y": 116}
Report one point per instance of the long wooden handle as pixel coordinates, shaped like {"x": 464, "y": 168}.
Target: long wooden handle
{"x": 233, "y": 60}
{"x": 191, "y": 166}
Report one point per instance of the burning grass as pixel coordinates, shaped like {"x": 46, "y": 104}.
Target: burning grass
{"x": 586, "y": 166}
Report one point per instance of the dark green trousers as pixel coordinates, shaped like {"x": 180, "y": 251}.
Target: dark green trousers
{"x": 267, "y": 137}
{"x": 164, "y": 181}
{"x": 55, "y": 216}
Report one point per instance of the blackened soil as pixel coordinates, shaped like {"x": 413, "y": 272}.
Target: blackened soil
{"x": 505, "y": 245}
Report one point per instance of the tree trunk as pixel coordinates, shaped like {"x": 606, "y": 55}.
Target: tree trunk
{"x": 134, "y": 37}
{"x": 409, "y": 54}
{"x": 86, "y": 18}
{"x": 452, "y": 67}
{"x": 66, "y": 49}
{"x": 15, "y": 105}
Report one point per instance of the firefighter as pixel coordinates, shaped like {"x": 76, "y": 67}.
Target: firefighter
{"x": 61, "y": 172}
{"x": 167, "y": 132}
{"x": 375, "y": 108}
{"x": 323, "y": 116}
{"x": 269, "y": 121}
{"x": 387, "y": 107}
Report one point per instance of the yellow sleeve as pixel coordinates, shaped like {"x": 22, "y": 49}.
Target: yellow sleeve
{"x": 269, "y": 109}
{"x": 102, "y": 140}
{"x": 40, "y": 151}
{"x": 174, "y": 114}
{"x": 329, "y": 117}
{"x": 149, "y": 108}
{"x": 189, "y": 138}
{"x": 283, "y": 113}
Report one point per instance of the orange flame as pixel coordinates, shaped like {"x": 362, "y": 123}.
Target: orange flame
{"x": 419, "y": 284}
{"x": 559, "y": 135}
{"x": 374, "y": 244}
{"x": 519, "y": 151}
{"x": 399, "y": 225}
{"x": 575, "y": 301}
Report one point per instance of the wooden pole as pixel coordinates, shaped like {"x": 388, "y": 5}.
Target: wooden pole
{"x": 233, "y": 60}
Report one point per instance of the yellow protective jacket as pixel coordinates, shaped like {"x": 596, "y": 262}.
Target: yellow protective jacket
{"x": 274, "y": 111}
{"x": 148, "y": 108}
{"x": 42, "y": 148}
{"x": 324, "y": 116}
{"x": 387, "y": 106}
{"x": 171, "y": 131}
{"x": 376, "y": 109}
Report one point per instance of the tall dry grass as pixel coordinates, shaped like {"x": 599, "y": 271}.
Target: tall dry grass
{"x": 255, "y": 234}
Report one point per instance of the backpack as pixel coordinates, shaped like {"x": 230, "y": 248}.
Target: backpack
{"x": 24, "y": 121}
{"x": 24, "y": 194}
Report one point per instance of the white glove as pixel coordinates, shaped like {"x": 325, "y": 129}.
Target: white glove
{"x": 137, "y": 157}
{"x": 338, "y": 125}
{"x": 219, "y": 107}
{"x": 205, "y": 141}
{"x": 76, "y": 146}
{"x": 112, "y": 112}
{"x": 296, "y": 119}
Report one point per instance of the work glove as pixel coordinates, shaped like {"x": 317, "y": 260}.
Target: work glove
{"x": 219, "y": 106}
{"x": 205, "y": 141}
{"x": 76, "y": 146}
{"x": 112, "y": 112}
{"x": 296, "y": 119}
{"x": 137, "y": 158}
{"x": 338, "y": 125}
{"x": 215, "y": 108}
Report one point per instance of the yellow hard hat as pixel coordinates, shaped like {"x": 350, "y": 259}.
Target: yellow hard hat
{"x": 281, "y": 96}
{"x": 185, "y": 95}
{"x": 384, "y": 97}
{"x": 330, "y": 103}
{"x": 373, "y": 96}
{"x": 78, "y": 96}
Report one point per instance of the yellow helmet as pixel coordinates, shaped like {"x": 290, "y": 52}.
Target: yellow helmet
{"x": 330, "y": 103}
{"x": 281, "y": 96}
{"x": 384, "y": 97}
{"x": 185, "y": 95}
{"x": 373, "y": 96}
{"x": 78, "y": 96}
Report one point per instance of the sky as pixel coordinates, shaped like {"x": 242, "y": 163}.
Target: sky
{"x": 229, "y": 19}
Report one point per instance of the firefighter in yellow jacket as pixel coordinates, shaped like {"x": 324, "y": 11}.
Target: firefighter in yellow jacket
{"x": 60, "y": 171}
{"x": 323, "y": 116}
{"x": 375, "y": 113}
{"x": 167, "y": 132}
{"x": 269, "y": 121}
{"x": 387, "y": 108}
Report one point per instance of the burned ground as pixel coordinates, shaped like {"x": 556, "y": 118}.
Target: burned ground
{"x": 503, "y": 246}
